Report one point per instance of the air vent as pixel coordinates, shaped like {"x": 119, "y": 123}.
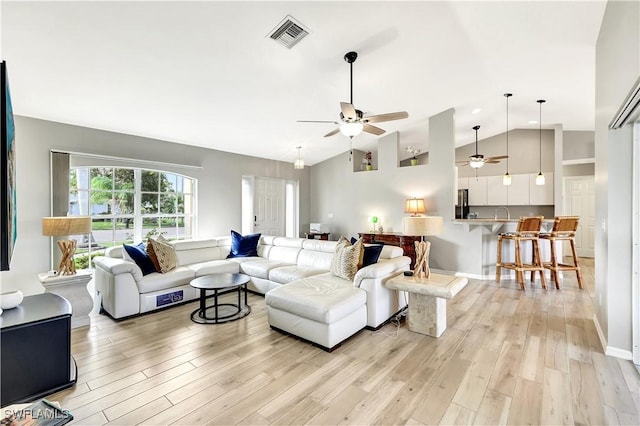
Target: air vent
{"x": 288, "y": 32}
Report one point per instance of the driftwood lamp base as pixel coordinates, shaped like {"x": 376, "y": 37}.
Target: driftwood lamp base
{"x": 421, "y": 269}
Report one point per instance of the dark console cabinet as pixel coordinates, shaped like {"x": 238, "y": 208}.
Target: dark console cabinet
{"x": 35, "y": 355}
{"x": 407, "y": 242}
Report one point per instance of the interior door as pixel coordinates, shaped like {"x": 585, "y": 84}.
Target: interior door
{"x": 269, "y": 206}
{"x": 579, "y": 200}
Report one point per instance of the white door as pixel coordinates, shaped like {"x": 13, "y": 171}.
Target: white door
{"x": 268, "y": 206}
{"x": 579, "y": 200}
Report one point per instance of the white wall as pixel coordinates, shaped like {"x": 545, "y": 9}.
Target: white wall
{"x": 617, "y": 68}
{"x": 219, "y": 185}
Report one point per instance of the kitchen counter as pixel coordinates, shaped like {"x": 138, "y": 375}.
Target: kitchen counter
{"x": 485, "y": 234}
{"x": 495, "y": 225}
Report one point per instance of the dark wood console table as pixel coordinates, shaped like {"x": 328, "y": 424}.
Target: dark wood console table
{"x": 318, "y": 235}
{"x": 36, "y": 349}
{"x": 406, "y": 242}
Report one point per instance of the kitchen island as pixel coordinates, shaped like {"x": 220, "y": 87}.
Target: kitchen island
{"x": 489, "y": 228}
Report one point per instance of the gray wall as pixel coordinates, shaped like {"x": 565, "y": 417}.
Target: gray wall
{"x": 524, "y": 147}
{"x": 617, "y": 68}
{"x": 344, "y": 198}
{"x": 578, "y": 145}
{"x": 219, "y": 185}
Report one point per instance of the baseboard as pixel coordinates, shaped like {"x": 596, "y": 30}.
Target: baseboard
{"x": 462, "y": 274}
{"x": 610, "y": 350}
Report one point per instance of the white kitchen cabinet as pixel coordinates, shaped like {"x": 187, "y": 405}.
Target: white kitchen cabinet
{"x": 478, "y": 191}
{"x": 496, "y": 191}
{"x": 518, "y": 191}
{"x": 541, "y": 195}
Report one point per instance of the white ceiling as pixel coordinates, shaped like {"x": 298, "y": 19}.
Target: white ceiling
{"x": 205, "y": 74}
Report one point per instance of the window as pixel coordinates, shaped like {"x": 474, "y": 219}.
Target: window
{"x": 129, "y": 205}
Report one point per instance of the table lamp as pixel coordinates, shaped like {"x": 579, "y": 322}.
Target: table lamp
{"x": 414, "y": 206}
{"x": 422, "y": 225}
{"x": 63, "y": 227}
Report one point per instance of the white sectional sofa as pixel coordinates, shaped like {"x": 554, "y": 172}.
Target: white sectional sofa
{"x": 280, "y": 261}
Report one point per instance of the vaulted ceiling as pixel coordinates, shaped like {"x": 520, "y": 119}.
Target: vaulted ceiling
{"x": 205, "y": 73}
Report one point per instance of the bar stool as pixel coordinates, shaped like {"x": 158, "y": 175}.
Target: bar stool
{"x": 564, "y": 229}
{"x": 528, "y": 230}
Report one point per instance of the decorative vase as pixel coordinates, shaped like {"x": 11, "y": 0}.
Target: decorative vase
{"x": 369, "y": 167}
{"x": 414, "y": 161}
{"x": 10, "y": 299}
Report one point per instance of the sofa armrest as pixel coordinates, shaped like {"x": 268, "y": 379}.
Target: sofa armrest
{"x": 382, "y": 269}
{"x": 116, "y": 266}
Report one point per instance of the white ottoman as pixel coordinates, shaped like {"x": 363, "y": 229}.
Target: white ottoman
{"x": 323, "y": 309}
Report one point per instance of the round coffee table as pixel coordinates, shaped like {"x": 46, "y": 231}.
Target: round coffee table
{"x": 223, "y": 312}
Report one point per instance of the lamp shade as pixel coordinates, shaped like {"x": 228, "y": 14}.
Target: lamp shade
{"x": 423, "y": 225}
{"x": 414, "y": 206}
{"x": 65, "y": 225}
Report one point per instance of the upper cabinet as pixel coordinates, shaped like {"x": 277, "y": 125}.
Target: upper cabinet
{"x": 518, "y": 191}
{"x": 541, "y": 195}
{"x": 523, "y": 191}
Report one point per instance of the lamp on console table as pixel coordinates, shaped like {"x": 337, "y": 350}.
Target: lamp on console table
{"x": 414, "y": 206}
{"x": 422, "y": 226}
{"x": 63, "y": 227}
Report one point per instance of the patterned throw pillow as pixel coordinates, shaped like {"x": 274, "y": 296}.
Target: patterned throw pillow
{"x": 346, "y": 259}
{"x": 162, "y": 254}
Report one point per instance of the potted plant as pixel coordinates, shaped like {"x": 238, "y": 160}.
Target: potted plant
{"x": 368, "y": 157}
{"x": 414, "y": 153}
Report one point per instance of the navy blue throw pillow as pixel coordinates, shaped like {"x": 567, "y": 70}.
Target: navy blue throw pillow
{"x": 371, "y": 253}
{"x": 139, "y": 255}
{"x": 243, "y": 246}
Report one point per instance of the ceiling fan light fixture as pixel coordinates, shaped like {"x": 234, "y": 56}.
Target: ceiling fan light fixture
{"x": 298, "y": 164}
{"x": 351, "y": 129}
{"x": 476, "y": 162}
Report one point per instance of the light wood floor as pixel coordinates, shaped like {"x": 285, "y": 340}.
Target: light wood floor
{"x": 507, "y": 357}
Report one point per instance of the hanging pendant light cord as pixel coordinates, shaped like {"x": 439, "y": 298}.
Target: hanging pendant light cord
{"x": 507, "y": 95}
{"x": 541, "y": 101}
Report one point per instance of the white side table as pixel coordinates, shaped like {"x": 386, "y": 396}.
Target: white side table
{"x": 74, "y": 289}
{"x": 428, "y": 300}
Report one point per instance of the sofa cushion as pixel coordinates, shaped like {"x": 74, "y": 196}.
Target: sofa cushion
{"x": 162, "y": 254}
{"x": 287, "y": 274}
{"x": 243, "y": 245}
{"x": 346, "y": 259}
{"x": 214, "y": 267}
{"x": 140, "y": 256}
{"x": 324, "y": 298}
{"x": 154, "y": 282}
{"x": 260, "y": 268}
{"x": 370, "y": 253}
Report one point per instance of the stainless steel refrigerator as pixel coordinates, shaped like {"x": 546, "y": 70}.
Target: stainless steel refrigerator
{"x": 462, "y": 206}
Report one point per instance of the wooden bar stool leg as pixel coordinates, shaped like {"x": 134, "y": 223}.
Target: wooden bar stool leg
{"x": 518, "y": 264}
{"x": 575, "y": 262}
{"x": 554, "y": 264}
{"x": 533, "y": 260}
{"x": 536, "y": 248}
{"x": 499, "y": 259}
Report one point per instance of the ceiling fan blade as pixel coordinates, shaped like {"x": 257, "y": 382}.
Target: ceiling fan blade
{"x": 372, "y": 129}
{"x": 497, "y": 157}
{"x": 316, "y": 121}
{"x": 348, "y": 111}
{"x": 331, "y": 133}
{"x": 488, "y": 161}
{"x": 462, "y": 163}
{"x": 386, "y": 117}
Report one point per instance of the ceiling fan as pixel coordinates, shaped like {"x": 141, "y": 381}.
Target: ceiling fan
{"x": 352, "y": 121}
{"x": 478, "y": 160}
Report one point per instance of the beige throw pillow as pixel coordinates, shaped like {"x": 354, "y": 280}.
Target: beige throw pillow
{"x": 346, "y": 259}
{"x": 162, "y": 254}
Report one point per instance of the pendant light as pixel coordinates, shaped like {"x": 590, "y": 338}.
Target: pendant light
{"x": 540, "y": 177}
{"x": 506, "y": 179}
{"x": 299, "y": 163}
